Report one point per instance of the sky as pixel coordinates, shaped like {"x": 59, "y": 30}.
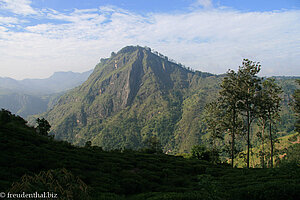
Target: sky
{"x": 40, "y": 37}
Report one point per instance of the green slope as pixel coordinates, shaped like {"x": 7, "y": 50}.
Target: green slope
{"x": 126, "y": 175}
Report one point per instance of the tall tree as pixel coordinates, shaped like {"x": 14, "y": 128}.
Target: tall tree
{"x": 238, "y": 95}
{"x": 249, "y": 84}
{"x": 272, "y": 91}
{"x": 214, "y": 122}
{"x": 214, "y": 127}
{"x": 296, "y": 107}
{"x": 269, "y": 102}
{"x": 262, "y": 120}
{"x": 229, "y": 98}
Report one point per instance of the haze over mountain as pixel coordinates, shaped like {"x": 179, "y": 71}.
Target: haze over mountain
{"x": 34, "y": 96}
{"x": 58, "y": 82}
{"x": 134, "y": 95}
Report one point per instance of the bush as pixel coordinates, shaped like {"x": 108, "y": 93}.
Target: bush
{"x": 60, "y": 182}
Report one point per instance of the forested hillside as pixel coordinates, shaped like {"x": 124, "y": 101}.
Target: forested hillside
{"x": 137, "y": 94}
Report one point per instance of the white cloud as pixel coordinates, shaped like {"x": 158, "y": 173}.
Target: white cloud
{"x": 211, "y": 40}
{"x": 18, "y": 6}
{"x": 9, "y": 20}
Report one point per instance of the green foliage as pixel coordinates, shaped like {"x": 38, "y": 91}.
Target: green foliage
{"x": 244, "y": 98}
{"x": 200, "y": 152}
{"x": 7, "y": 117}
{"x": 127, "y": 174}
{"x": 269, "y": 102}
{"x": 248, "y": 87}
{"x": 152, "y": 145}
{"x": 43, "y": 126}
{"x": 285, "y": 153}
{"x": 214, "y": 124}
{"x": 195, "y": 195}
{"x": 211, "y": 187}
{"x": 60, "y": 181}
{"x": 291, "y": 155}
{"x": 228, "y": 103}
{"x": 88, "y": 144}
{"x": 296, "y": 106}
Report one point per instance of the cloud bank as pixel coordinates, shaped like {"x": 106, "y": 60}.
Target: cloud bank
{"x": 205, "y": 38}
{"x": 22, "y": 7}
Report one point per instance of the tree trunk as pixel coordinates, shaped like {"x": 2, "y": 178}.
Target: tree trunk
{"x": 248, "y": 138}
{"x": 263, "y": 143}
{"x": 271, "y": 140}
{"x": 232, "y": 139}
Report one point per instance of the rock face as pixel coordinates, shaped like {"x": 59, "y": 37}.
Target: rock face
{"x": 132, "y": 96}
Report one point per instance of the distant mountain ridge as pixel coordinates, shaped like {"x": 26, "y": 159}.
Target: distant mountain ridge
{"x": 33, "y": 96}
{"x": 58, "y": 82}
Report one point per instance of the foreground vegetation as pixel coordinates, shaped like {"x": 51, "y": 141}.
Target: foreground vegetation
{"x": 91, "y": 173}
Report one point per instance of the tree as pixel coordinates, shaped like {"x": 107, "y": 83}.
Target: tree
{"x": 229, "y": 97}
{"x": 153, "y": 145}
{"x": 88, "y": 144}
{"x": 269, "y": 102}
{"x": 248, "y": 87}
{"x": 296, "y": 106}
{"x": 238, "y": 97}
{"x": 273, "y": 101}
{"x": 200, "y": 152}
{"x": 43, "y": 126}
{"x": 214, "y": 126}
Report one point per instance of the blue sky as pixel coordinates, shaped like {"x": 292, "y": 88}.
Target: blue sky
{"x": 142, "y": 6}
{"x": 39, "y": 37}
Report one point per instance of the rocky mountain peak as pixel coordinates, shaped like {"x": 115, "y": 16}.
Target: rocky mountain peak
{"x": 129, "y": 97}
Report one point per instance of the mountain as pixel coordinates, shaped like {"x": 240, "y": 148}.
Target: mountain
{"x": 23, "y": 104}
{"x": 58, "y": 82}
{"x": 34, "y": 96}
{"x": 134, "y": 95}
